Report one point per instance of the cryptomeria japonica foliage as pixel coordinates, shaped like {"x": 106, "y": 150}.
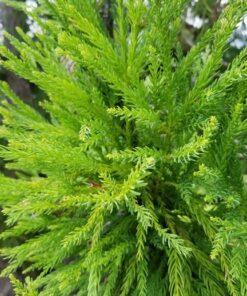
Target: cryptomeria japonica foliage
{"x": 131, "y": 183}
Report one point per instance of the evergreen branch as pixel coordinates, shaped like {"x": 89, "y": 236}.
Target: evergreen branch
{"x": 127, "y": 181}
{"x": 179, "y": 275}
{"x": 198, "y": 145}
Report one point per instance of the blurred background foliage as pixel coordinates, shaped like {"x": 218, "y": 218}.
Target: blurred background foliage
{"x": 199, "y": 16}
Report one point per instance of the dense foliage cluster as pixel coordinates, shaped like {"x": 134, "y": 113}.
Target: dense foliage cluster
{"x": 129, "y": 181}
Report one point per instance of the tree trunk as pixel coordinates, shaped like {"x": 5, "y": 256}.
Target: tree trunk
{"x": 10, "y": 19}
{"x": 106, "y": 14}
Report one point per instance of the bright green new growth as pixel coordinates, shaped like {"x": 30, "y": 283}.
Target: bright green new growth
{"x": 132, "y": 184}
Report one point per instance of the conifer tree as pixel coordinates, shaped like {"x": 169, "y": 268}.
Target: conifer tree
{"x": 131, "y": 184}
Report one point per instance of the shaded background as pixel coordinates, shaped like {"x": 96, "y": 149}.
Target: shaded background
{"x": 199, "y": 15}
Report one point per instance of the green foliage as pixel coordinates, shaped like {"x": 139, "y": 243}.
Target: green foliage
{"x": 132, "y": 183}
